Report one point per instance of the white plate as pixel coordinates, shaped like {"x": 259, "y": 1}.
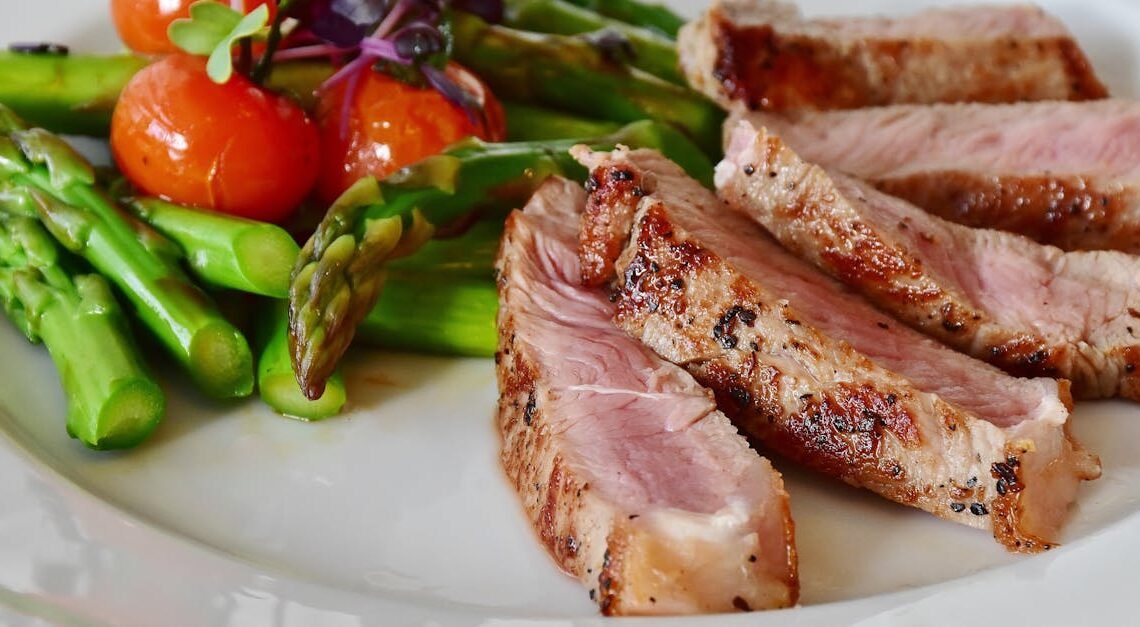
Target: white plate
{"x": 398, "y": 513}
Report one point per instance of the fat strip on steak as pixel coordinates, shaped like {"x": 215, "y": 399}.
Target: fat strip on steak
{"x": 1061, "y": 173}
{"x": 633, "y": 480}
{"x": 765, "y": 55}
{"x": 817, "y": 374}
{"x": 1031, "y": 309}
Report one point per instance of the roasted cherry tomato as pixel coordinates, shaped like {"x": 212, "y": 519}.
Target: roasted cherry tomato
{"x": 392, "y": 124}
{"x": 233, "y": 147}
{"x": 142, "y": 24}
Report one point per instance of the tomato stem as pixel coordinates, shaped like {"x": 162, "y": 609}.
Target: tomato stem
{"x": 245, "y": 56}
{"x": 260, "y": 71}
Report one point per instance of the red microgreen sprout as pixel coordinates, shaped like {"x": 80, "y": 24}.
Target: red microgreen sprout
{"x": 409, "y": 39}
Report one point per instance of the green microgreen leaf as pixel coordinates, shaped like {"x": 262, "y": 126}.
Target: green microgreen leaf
{"x": 213, "y": 29}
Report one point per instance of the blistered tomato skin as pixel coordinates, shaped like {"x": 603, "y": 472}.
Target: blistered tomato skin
{"x": 235, "y": 148}
{"x": 391, "y": 124}
{"x": 142, "y": 24}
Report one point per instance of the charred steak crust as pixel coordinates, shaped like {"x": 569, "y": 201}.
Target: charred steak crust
{"x": 841, "y": 225}
{"x": 862, "y": 434}
{"x": 606, "y": 221}
{"x": 1071, "y": 212}
{"x": 1060, "y": 173}
{"x": 641, "y": 545}
{"x": 818, "y": 401}
{"x": 837, "y": 431}
{"x": 763, "y": 54}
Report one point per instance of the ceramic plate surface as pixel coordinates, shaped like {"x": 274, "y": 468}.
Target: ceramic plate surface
{"x": 398, "y": 512}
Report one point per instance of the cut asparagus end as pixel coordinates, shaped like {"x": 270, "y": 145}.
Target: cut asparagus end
{"x": 276, "y": 382}
{"x": 127, "y": 416}
{"x": 221, "y": 362}
{"x": 223, "y": 250}
{"x": 112, "y": 401}
{"x": 265, "y": 257}
{"x": 280, "y": 391}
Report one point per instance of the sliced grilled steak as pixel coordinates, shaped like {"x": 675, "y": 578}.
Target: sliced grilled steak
{"x": 635, "y": 483}
{"x": 1029, "y": 308}
{"x": 764, "y": 54}
{"x": 817, "y": 374}
{"x": 1061, "y": 173}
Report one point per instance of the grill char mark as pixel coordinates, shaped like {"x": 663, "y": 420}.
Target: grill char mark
{"x": 780, "y": 378}
{"x": 1070, "y": 212}
{"x": 777, "y": 65}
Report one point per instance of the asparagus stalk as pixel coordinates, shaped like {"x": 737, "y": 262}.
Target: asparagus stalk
{"x": 435, "y": 313}
{"x": 442, "y": 299}
{"x": 529, "y": 123}
{"x": 341, "y": 270}
{"x": 112, "y": 401}
{"x": 653, "y": 52}
{"x": 76, "y": 94}
{"x": 469, "y": 255}
{"x": 570, "y": 73}
{"x": 41, "y": 176}
{"x": 638, "y": 13}
{"x": 223, "y": 250}
{"x": 68, "y": 94}
{"x": 276, "y": 382}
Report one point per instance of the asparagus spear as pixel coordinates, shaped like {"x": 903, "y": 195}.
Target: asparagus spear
{"x": 468, "y": 255}
{"x": 638, "y": 13}
{"x": 112, "y": 401}
{"x": 340, "y": 272}
{"x": 653, "y": 52}
{"x": 41, "y": 176}
{"x": 275, "y": 380}
{"x": 68, "y": 94}
{"x": 442, "y": 299}
{"x": 570, "y": 73}
{"x": 76, "y": 94}
{"x": 435, "y": 313}
{"x": 529, "y": 123}
{"x": 223, "y": 250}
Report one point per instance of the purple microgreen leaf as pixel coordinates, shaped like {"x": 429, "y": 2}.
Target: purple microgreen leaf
{"x": 342, "y": 22}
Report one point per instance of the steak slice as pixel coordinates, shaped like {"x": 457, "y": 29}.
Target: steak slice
{"x": 634, "y": 481}
{"x": 1031, "y": 309}
{"x": 818, "y": 375}
{"x": 1061, "y": 173}
{"x": 764, "y": 54}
